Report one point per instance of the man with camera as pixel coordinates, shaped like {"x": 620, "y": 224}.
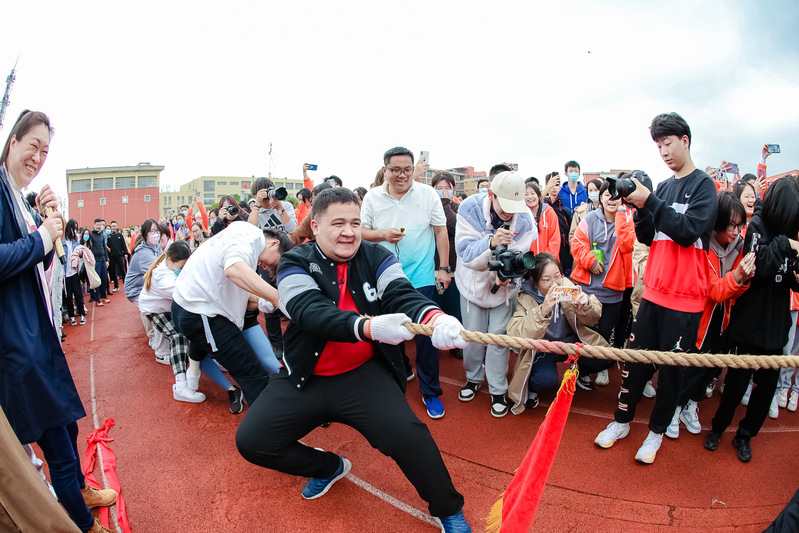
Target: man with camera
{"x": 494, "y": 229}
{"x": 407, "y": 218}
{"x": 273, "y": 211}
{"x": 676, "y": 220}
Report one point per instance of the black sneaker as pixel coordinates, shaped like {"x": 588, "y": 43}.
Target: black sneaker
{"x": 499, "y": 405}
{"x": 744, "y": 449}
{"x": 235, "y": 398}
{"x": 712, "y": 441}
{"x": 468, "y": 392}
{"x": 532, "y": 400}
{"x": 584, "y": 382}
{"x": 457, "y": 353}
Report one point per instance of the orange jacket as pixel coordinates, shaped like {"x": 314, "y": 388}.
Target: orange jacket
{"x": 301, "y": 212}
{"x": 720, "y": 290}
{"x": 548, "y": 233}
{"x": 619, "y": 271}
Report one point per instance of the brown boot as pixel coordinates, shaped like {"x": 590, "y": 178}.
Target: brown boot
{"x": 99, "y": 528}
{"x": 98, "y": 498}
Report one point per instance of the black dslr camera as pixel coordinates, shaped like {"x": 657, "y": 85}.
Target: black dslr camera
{"x": 233, "y": 210}
{"x": 622, "y": 185}
{"x": 509, "y": 264}
{"x": 279, "y": 193}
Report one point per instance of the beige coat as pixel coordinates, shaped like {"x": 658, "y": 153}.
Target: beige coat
{"x": 528, "y": 322}
{"x": 640, "y": 257}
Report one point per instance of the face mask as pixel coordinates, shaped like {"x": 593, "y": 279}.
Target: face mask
{"x": 176, "y": 271}
{"x": 108, "y": 232}
{"x": 593, "y": 196}
{"x": 153, "y": 240}
{"x": 180, "y": 222}
{"x": 184, "y": 213}
{"x": 85, "y": 238}
{"x": 483, "y": 190}
{"x": 440, "y": 193}
{"x": 574, "y": 176}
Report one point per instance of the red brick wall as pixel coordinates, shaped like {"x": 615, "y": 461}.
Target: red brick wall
{"x": 134, "y": 212}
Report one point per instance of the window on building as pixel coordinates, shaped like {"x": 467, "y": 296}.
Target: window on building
{"x": 245, "y": 184}
{"x": 148, "y": 181}
{"x": 102, "y": 201}
{"x": 126, "y": 183}
{"x": 103, "y": 184}
{"x": 208, "y": 200}
{"x": 222, "y": 183}
{"x": 209, "y": 185}
{"x": 146, "y": 196}
{"x": 124, "y": 199}
{"x": 81, "y": 185}
{"x": 80, "y": 203}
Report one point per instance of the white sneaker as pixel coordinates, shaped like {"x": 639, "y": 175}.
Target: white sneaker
{"x": 774, "y": 410}
{"x": 710, "y": 387}
{"x": 690, "y": 418}
{"x": 794, "y": 399}
{"x": 602, "y": 378}
{"x": 193, "y": 381}
{"x": 646, "y": 454}
{"x": 649, "y": 390}
{"x": 673, "y": 431}
{"x": 164, "y": 360}
{"x": 182, "y": 393}
{"x": 747, "y": 394}
{"x": 782, "y": 398}
{"x": 611, "y": 434}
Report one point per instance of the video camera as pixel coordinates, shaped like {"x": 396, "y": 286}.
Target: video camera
{"x": 622, "y": 186}
{"x": 509, "y": 264}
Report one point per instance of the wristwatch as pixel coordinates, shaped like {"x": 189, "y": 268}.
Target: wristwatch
{"x": 448, "y": 270}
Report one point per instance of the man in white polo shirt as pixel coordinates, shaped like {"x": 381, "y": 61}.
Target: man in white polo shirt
{"x": 211, "y": 296}
{"x": 407, "y": 218}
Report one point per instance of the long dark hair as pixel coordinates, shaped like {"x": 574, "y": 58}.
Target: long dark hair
{"x": 541, "y": 261}
{"x": 780, "y": 210}
{"x": 71, "y": 231}
{"x": 26, "y": 120}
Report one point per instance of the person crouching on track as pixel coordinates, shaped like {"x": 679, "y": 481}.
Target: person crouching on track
{"x": 342, "y": 366}
{"x": 761, "y": 317}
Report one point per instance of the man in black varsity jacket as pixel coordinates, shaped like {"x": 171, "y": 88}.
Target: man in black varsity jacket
{"x": 348, "y": 301}
{"x": 676, "y": 221}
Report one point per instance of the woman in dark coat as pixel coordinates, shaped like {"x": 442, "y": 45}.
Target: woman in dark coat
{"x": 37, "y": 393}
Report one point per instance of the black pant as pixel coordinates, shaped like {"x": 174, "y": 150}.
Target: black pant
{"x": 274, "y": 329}
{"x": 657, "y": 328}
{"x": 788, "y": 520}
{"x": 624, "y": 324}
{"x": 765, "y": 383}
{"x": 226, "y": 343}
{"x": 367, "y": 399}
{"x": 74, "y": 290}
{"x": 117, "y": 269}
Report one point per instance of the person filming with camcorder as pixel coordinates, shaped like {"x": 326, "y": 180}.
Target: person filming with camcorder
{"x": 493, "y": 235}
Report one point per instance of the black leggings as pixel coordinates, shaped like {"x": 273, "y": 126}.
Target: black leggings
{"x": 73, "y": 289}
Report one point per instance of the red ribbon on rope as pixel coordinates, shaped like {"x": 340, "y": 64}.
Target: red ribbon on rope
{"x": 99, "y": 439}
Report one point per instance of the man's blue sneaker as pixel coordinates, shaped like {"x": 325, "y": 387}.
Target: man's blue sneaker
{"x": 435, "y": 409}
{"x": 455, "y": 524}
{"x": 317, "y": 487}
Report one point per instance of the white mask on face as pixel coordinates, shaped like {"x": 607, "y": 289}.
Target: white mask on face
{"x": 154, "y": 239}
{"x": 593, "y": 196}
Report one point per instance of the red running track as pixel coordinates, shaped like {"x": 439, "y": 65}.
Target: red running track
{"x": 180, "y": 470}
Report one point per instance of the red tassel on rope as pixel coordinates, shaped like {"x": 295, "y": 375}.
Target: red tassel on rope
{"x": 515, "y": 510}
{"x": 99, "y": 439}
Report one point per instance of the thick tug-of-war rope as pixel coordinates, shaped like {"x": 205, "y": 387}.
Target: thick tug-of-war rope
{"x": 619, "y": 354}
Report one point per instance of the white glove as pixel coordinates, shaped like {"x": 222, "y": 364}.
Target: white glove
{"x": 389, "y": 329}
{"x": 265, "y": 306}
{"x": 447, "y": 333}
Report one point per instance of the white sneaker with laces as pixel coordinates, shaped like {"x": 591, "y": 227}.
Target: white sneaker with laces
{"x": 793, "y": 401}
{"x": 710, "y": 387}
{"x": 673, "y": 431}
{"x": 611, "y": 434}
{"x": 193, "y": 380}
{"x": 182, "y": 393}
{"x": 649, "y": 390}
{"x": 602, "y": 378}
{"x": 774, "y": 410}
{"x": 747, "y": 394}
{"x": 646, "y": 454}
{"x": 690, "y": 418}
{"x": 782, "y": 398}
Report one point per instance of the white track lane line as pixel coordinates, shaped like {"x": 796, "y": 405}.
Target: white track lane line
{"x": 96, "y": 420}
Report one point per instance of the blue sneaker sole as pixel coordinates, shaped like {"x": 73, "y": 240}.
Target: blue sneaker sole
{"x": 344, "y": 472}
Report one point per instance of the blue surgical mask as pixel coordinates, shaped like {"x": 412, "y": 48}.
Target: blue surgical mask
{"x": 574, "y": 176}
{"x": 184, "y": 213}
{"x": 85, "y": 238}
{"x": 483, "y": 190}
{"x": 108, "y": 232}
{"x": 180, "y": 222}
{"x": 176, "y": 271}
{"x": 440, "y": 193}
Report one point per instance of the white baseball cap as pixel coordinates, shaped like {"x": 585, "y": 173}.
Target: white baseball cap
{"x": 509, "y": 189}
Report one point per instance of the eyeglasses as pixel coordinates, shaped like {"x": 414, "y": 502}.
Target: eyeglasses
{"x": 155, "y": 232}
{"x": 735, "y": 227}
{"x": 400, "y": 171}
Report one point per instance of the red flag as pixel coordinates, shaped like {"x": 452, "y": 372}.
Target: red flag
{"x": 515, "y": 510}
{"x": 99, "y": 438}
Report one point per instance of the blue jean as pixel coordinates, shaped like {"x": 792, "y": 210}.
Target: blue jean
{"x": 544, "y": 374}
{"x": 60, "y": 448}
{"x": 427, "y": 357}
{"x": 102, "y": 290}
{"x": 262, "y": 347}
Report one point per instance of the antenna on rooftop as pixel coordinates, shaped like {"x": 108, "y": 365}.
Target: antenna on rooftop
{"x": 270, "y": 160}
{"x": 9, "y": 83}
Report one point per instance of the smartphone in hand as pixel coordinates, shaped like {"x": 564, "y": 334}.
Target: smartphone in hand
{"x": 425, "y": 155}
{"x": 311, "y": 167}
{"x": 773, "y": 148}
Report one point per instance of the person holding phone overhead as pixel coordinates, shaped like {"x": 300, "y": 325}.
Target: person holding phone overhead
{"x": 37, "y": 393}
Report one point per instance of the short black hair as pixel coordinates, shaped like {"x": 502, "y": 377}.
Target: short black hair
{"x": 305, "y": 192}
{"x": 740, "y": 186}
{"x": 496, "y": 169}
{"x": 730, "y": 209}
{"x": 748, "y": 177}
{"x": 571, "y": 163}
{"x": 261, "y": 183}
{"x": 360, "y": 191}
{"x": 284, "y": 242}
{"x": 532, "y": 179}
{"x": 319, "y": 188}
{"x": 336, "y": 179}
{"x": 541, "y": 261}
{"x": 597, "y": 183}
{"x": 397, "y": 150}
{"x": 445, "y": 176}
{"x": 667, "y": 124}
{"x": 31, "y": 199}
{"x": 334, "y": 195}
{"x": 780, "y": 210}
{"x": 481, "y": 180}
{"x": 96, "y": 220}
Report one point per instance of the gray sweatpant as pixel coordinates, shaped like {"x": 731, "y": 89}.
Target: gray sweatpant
{"x": 494, "y": 320}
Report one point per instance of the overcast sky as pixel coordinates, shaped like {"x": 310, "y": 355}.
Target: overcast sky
{"x": 203, "y": 87}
